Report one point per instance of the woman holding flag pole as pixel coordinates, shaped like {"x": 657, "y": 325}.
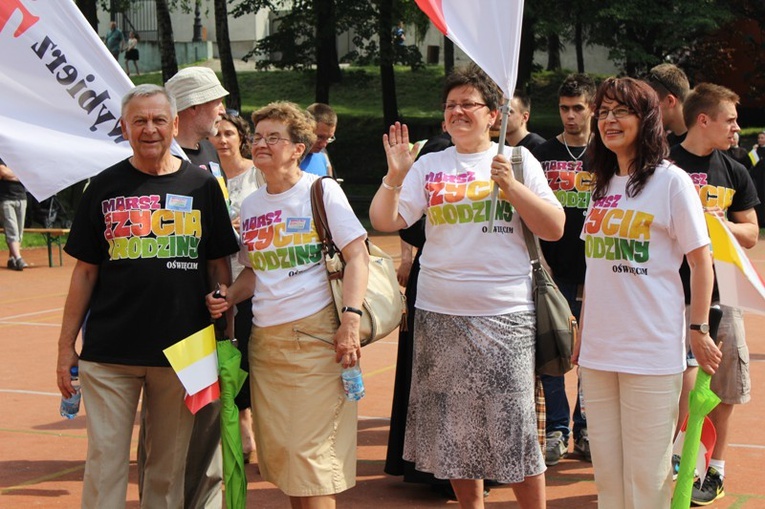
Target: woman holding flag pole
{"x": 474, "y": 323}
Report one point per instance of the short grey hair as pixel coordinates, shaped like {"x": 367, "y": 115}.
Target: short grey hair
{"x": 149, "y": 90}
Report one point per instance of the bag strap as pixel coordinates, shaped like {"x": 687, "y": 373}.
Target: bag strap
{"x": 320, "y": 219}
{"x": 516, "y": 158}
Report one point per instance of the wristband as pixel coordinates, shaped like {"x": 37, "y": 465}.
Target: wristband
{"x": 390, "y": 187}
{"x": 349, "y": 309}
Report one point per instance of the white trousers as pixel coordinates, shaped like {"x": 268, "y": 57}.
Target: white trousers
{"x": 630, "y": 422}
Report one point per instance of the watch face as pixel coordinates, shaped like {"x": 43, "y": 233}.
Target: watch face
{"x": 704, "y": 328}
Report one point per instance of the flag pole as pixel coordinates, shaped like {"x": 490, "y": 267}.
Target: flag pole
{"x": 505, "y": 110}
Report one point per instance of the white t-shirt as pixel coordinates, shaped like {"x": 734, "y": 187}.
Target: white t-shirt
{"x": 239, "y": 188}
{"x": 465, "y": 270}
{"x": 279, "y": 242}
{"x": 634, "y": 316}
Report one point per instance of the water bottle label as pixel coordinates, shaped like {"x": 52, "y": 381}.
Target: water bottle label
{"x": 354, "y": 387}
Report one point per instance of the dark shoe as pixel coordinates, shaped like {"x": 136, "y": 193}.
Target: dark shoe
{"x": 711, "y": 490}
{"x": 12, "y": 263}
{"x": 557, "y": 448}
{"x": 21, "y": 264}
{"x": 582, "y": 446}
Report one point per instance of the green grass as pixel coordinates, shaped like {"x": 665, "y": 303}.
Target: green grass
{"x": 29, "y": 240}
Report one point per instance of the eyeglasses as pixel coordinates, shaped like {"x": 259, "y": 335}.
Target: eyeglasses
{"x": 272, "y": 139}
{"x": 619, "y": 112}
{"x": 651, "y": 76}
{"x": 466, "y": 106}
{"x": 325, "y": 139}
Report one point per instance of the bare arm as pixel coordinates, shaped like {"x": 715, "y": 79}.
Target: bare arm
{"x": 240, "y": 290}
{"x": 545, "y": 220}
{"x": 219, "y": 273}
{"x": 7, "y": 174}
{"x": 383, "y": 212}
{"x": 84, "y": 277}
{"x": 703, "y": 347}
{"x": 347, "y": 342}
{"x": 744, "y": 227}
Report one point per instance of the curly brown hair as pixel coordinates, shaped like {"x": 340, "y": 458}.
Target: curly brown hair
{"x": 473, "y": 76}
{"x": 300, "y": 124}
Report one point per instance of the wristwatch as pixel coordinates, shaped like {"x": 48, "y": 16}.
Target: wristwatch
{"x": 701, "y": 327}
{"x": 349, "y": 309}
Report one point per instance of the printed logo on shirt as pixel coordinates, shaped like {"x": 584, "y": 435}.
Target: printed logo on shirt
{"x": 459, "y": 199}
{"x": 138, "y": 227}
{"x": 623, "y": 234}
{"x": 272, "y": 245}
{"x": 178, "y": 202}
{"x": 711, "y": 195}
{"x": 571, "y": 185}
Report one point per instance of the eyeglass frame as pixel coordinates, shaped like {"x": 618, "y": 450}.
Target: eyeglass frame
{"x": 256, "y": 139}
{"x": 475, "y": 106}
{"x": 329, "y": 140}
{"x": 629, "y": 111}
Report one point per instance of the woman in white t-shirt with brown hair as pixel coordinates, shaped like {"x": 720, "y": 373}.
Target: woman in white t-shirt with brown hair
{"x": 471, "y": 412}
{"x": 305, "y": 428}
{"x": 644, "y": 215}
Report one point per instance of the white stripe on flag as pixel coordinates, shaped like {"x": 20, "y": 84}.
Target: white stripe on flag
{"x": 200, "y": 374}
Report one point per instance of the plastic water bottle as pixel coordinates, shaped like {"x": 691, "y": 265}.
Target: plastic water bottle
{"x": 353, "y": 383}
{"x": 71, "y": 406}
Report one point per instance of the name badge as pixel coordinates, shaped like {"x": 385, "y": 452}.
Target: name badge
{"x": 298, "y": 225}
{"x": 215, "y": 169}
{"x": 178, "y": 202}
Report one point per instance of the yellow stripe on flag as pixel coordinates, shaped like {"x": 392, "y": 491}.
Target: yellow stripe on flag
{"x": 722, "y": 248}
{"x": 192, "y": 349}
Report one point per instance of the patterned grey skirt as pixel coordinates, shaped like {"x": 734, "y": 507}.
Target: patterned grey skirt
{"x": 471, "y": 407}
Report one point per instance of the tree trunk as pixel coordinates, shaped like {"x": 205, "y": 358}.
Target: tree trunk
{"x": 553, "y": 52}
{"x": 385, "y": 30}
{"x": 233, "y": 100}
{"x": 327, "y": 64}
{"x": 448, "y": 56}
{"x": 579, "y": 43}
{"x": 89, "y": 9}
{"x": 526, "y": 56}
{"x": 166, "y": 41}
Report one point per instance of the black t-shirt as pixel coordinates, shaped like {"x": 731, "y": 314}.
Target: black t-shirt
{"x": 531, "y": 141}
{"x": 11, "y": 189}
{"x": 205, "y": 156}
{"x": 570, "y": 180}
{"x": 151, "y": 237}
{"x": 675, "y": 139}
{"x": 721, "y": 182}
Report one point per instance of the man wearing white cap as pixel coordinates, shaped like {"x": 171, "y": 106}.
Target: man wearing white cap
{"x": 199, "y": 98}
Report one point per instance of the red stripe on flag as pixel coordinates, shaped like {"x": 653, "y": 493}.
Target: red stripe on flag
{"x": 435, "y": 11}
{"x": 197, "y": 401}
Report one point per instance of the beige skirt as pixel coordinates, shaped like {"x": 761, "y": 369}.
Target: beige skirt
{"x": 304, "y": 427}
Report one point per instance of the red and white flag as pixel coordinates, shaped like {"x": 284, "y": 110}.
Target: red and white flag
{"x": 488, "y": 31}
{"x": 60, "y": 100}
{"x": 739, "y": 283}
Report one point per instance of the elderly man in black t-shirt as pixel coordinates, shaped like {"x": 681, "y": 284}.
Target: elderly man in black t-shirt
{"x": 726, "y": 190}
{"x": 13, "y": 209}
{"x": 151, "y": 237}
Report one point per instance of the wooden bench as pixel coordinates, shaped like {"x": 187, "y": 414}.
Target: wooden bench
{"x": 51, "y": 236}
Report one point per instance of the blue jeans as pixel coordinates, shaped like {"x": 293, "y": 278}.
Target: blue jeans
{"x": 558, "y": 410}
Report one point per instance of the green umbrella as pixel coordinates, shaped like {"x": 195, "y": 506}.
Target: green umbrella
{"x": 231, "y": 381}
{"x": 701, "y": 401}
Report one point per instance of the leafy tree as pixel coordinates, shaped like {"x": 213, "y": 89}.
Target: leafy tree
{"x": 641, "y": 33}
{"x": 166, "y": 41}
{"x": 230, "y": 83}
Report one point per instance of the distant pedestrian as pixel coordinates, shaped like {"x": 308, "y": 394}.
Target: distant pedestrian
{"x": 13, "y": 209}
{"x": 115, "y": 40}
{"x": 131, "y": 53}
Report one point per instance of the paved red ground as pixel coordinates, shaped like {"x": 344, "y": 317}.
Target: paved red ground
{"x": 42, "y": 455}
